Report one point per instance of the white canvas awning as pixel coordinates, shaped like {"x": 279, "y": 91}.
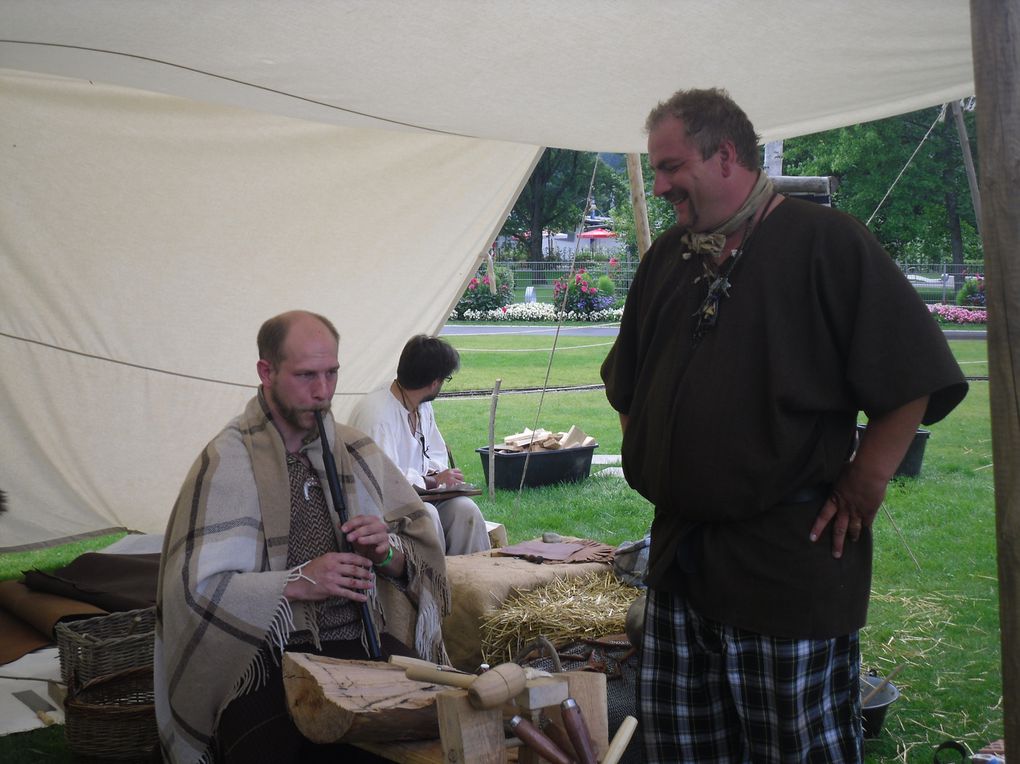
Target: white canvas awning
{"x": 175, "y": 173}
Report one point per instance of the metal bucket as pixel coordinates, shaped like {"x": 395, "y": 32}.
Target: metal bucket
{"x": 874, "y": 712}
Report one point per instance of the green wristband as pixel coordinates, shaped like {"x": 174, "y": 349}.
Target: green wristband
{"x": 387, "y": 559}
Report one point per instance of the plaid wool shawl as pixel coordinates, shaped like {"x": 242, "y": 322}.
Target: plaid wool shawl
{"x": 223, "y": 571}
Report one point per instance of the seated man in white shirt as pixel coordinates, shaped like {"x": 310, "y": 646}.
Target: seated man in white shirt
{"x": 399, "y": 418}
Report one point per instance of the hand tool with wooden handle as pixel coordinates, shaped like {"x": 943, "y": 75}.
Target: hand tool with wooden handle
{"x": 577, "y": 731}
{"x": 489, "y": 690}
{"x": 538, "y": 741}
{"x": 556, "y": 733}
{"x": 618, "y": 745}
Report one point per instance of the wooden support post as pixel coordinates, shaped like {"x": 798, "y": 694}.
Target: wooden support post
{"x": 637, "y": 201}
{"x": 492, "y": 439}
{"x": 968, "y": 162}
{"x": 995, "y": 28}
{"x": 491, "y": 270}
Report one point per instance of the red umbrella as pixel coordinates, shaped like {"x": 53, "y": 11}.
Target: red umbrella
{"x": 597, "y": 233}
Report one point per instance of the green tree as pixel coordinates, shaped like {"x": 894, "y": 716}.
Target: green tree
{"x": 555, "y": 196}
{"x": 660, "y": 212}
{"x": 928, "y": 216}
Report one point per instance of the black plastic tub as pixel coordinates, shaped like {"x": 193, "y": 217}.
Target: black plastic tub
{"x": 567, "y": 465}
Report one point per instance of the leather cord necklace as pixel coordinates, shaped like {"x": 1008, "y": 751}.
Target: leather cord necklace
{"x": 719, "y": 282}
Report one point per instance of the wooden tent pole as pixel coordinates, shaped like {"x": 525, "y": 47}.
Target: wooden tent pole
{"x": 995, "y": 28}
{"x": 637, "y": 201}
{"x": 968, "y": 162}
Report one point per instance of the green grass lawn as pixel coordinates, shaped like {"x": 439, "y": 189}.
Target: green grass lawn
{"x": 937, "y": 618}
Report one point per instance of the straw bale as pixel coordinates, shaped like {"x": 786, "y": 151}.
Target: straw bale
{"x": 564, "y": 611}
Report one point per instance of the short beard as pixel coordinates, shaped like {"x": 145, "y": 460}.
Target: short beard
{"x": 291, "y": 415}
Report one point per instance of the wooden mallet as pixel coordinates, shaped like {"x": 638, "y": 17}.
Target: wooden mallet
{"x": 489, "y": 690}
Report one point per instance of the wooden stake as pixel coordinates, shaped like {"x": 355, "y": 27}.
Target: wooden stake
{"x": 637, "y": 201}
{"x": 968, "y": 162}
{"x": 492, "y": 439}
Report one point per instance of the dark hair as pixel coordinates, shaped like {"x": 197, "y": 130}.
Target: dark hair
{"x": 273, "y": 333}
{"x": 710, "y": 117}
{"x": 425, "y": 359}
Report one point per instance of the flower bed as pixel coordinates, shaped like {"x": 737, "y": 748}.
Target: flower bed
{"x": 537, "y": 311}
{"x": 954, "y": 314}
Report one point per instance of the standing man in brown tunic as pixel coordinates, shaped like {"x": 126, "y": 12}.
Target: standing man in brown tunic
{"x": 755, "y": 331}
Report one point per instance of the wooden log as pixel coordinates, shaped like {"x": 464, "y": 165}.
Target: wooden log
{"x": 331, "y": 700}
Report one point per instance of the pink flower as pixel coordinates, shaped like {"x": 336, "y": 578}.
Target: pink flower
{"x": 593, "y": 290}
{"x": 613, "y": 262}
{"x": 584, "y": 288}
{"x": 485, "y": 280}
{"x": 504, "y": 308}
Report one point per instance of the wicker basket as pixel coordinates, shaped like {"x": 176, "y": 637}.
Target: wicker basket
{"x": 94, "y": 647}
{"x": 107, "y": 665}
{"x": 113, "y": 716}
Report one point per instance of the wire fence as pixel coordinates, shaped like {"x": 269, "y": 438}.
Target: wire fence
{"x": 936, "y": 283}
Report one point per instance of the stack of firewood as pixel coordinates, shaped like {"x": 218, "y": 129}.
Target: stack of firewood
{"x": 544, "y": 440}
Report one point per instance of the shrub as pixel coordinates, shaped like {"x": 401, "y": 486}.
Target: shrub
{"x": 478, "y": 296}
{"x": 606, "y": 285}
{"x": 578, "y": 295}
{"x": 972, "y": 293}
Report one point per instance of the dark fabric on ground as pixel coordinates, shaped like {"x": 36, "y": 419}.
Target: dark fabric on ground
{"x": 113, "y": 582}
{"x": 257, "y": 727}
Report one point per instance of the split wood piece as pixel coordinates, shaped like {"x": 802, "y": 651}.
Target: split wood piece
{"x": 620, "y": 741}
{"x": 332, "y": 700}
{"x": 468, "y": 735}
{"x": 542, "y": 692}
{"x": 489, "y": 690}
{"x": 573, "y": 437}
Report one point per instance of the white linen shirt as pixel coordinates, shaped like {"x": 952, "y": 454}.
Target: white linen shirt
{"x": 383, "y": 417}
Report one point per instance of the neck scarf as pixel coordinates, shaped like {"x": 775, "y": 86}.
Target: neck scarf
{"x": 712, "y": 242}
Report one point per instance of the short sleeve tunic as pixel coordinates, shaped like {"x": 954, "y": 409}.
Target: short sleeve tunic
{"x": 819, "y": 324}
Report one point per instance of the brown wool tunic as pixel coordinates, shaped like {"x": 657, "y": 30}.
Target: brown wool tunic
{"x": 819, "y": 324}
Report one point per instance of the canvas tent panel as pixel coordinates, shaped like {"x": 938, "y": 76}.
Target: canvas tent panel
{"x": 145, "y": 237}
{"x": 575, "y": 73}
{"x": 214, "y": 163}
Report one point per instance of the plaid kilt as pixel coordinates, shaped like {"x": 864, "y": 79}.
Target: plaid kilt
{"x": 708, "y": 692}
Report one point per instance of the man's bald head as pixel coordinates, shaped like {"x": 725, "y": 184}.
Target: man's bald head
{"x": 273, "y": 333}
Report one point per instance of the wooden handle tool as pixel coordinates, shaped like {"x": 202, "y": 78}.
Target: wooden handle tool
{"x": 618, "y": 745}
{"x": 489, "y": 690}
{"x": 556, "y": 733}
{"x": 538, "y": 741}
{"x": 577, "y": 731}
